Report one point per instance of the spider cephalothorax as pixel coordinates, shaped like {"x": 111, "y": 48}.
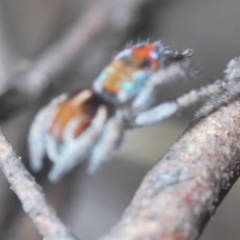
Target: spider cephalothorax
{"x": 122, "y": 79}
{"x": 90, "y": 123}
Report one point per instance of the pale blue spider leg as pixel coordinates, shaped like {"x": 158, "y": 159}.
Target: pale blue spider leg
{"x": 156, "y": 114}
{"x": 53, "y": 147}
{"x": 36, "y": 137}
{"x": 68, "y": 135}
{"x": 109, "y": 141}
{"x": 38, "y": 132}
{"x": 74, "y": 152}
{"x": 166, "y": 109}
{"x": 163, "y": 76}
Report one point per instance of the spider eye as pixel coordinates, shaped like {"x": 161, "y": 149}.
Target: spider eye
{"x": 146, "y": 63}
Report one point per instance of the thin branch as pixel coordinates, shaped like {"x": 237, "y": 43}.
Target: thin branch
{"x": 178, "y": 196}
{"x": 31, "y": 195}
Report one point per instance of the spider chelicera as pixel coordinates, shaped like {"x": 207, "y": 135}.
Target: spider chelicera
{"x": 90, "y": 123}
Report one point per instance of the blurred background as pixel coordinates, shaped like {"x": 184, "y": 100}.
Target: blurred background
{"x": 91, "y": 205}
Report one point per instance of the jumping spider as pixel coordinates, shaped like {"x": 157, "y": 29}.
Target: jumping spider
{"x": 90, "y": 123}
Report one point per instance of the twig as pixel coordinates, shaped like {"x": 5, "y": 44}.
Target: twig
{"x": 31, "y": 195}
{"x": 178, "y": 196}
{"x": 60, "y": 56}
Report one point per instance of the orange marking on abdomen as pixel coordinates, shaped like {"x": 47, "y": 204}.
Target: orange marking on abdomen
{"x": 66, "y": 112}
{"x": 70, "y": 109}
{"x": 83, "y": 106}
{"x": 116, "y": 73}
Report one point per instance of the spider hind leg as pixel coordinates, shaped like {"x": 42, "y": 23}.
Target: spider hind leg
{"x": 109, "y": 141}
{"x": 37, "y": 136}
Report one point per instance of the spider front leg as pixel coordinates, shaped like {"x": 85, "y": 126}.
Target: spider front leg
{"x": 167, "y": 109}
{"x": 146, "y": 96}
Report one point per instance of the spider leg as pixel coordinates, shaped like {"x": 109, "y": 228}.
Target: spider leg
{"x": 231, "y": 92}
{"x": 36, "y": 140}
{"x": 166, "y": 109}
{"x": 38, "y": 132}
{"x": 76, "y": 150}
{"x": 163, "y": 76}
{"x": 110, "y": 140}
{"x": 53, "y": 147}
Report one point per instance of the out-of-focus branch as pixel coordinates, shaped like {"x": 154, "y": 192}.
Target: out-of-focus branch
{"x": 57, "y": 58}
{"x": 179, "y": 195}
{"x": 31, "y": 195}
{"x": 10, "y": 60}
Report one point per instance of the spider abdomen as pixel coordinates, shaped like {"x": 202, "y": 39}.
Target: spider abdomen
{"x": 75, "y": 114}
